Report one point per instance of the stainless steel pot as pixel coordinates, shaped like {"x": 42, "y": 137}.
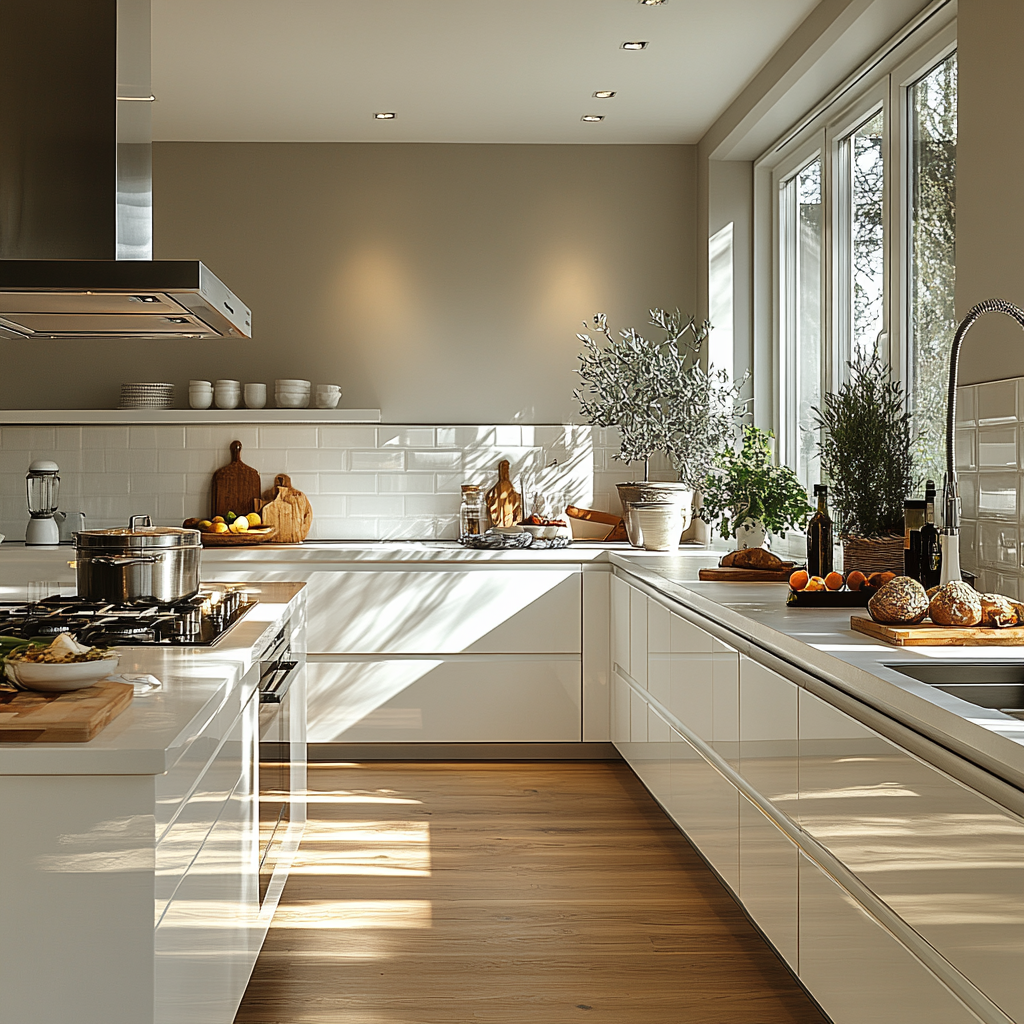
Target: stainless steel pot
{"x": 138, "y": 563}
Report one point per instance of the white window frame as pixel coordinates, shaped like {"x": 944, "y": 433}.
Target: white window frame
{"x": 885, "y": 87}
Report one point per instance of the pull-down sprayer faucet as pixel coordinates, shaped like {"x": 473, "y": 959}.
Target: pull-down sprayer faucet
{"x": 950, "y": 534}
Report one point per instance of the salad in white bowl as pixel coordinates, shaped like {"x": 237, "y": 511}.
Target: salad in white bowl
{"x": 55, "y": 667}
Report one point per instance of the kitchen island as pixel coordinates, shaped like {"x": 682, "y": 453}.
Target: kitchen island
{"x": 132, "y": 878}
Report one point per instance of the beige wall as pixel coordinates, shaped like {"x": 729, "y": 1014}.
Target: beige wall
{"x": 439, "y": 283}
{"x": 990, "y": 182}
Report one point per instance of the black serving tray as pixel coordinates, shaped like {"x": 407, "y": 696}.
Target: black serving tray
{"x": 830, "y": 598}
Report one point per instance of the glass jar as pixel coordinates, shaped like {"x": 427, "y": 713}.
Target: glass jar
{"x": 471, "y": 512}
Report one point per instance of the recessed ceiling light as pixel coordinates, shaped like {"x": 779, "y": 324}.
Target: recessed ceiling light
{"x": 635, "y": 45}
{"x": 385, "y": 115}
{"x": 603, "y": 94}
{"x": 592, "y": 117}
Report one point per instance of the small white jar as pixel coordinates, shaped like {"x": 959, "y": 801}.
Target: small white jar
{"x": 255, "y": 396}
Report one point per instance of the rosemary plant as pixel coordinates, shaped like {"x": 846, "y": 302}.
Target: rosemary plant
{"x": 866, "y": 452}
{"x": 658, "y": 395}
{"x": 748, "y": 485}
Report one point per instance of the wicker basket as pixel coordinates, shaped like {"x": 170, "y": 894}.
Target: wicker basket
{"x": 873, "y": 554}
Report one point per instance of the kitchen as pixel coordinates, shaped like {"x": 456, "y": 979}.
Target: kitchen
{"x": 433, "y": 274}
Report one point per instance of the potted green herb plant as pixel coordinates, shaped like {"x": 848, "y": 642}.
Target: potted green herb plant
{"x": 662, "y": 400}
{"x": 867, "y": 457}
{"x": 750, "y": 496}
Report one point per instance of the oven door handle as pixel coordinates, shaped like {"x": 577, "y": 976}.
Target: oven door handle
{"x": 274, "y": 685}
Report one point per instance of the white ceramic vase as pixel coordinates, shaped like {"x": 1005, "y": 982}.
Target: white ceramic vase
{"x": 751, "y": 533}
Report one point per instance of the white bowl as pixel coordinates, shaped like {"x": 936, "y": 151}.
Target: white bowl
{"x": 200, "y": 399}
{"x": 200, "y": 383}
{"x": 288, "y": 383}
{"x": 291, "y": 400}
{"x": 227, "y": 384}
{"x": 75, "y": 675}
{"x": 328, "y": 399}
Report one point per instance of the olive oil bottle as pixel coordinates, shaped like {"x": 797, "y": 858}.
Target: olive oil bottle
{"x": 819, "y": 536}
{"x": 931, "y": 549}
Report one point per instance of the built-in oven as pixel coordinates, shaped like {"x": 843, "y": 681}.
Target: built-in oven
{"x": 279, "y": 669}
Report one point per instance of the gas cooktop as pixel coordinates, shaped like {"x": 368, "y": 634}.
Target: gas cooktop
{"x": 196, "y": 621}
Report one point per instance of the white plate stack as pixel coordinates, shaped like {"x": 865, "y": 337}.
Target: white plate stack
{"x": 292, "y": 394}
{"x": 146, "y": 396}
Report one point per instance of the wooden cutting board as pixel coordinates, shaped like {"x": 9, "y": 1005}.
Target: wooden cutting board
{"x": 74, "y": 717}
{"x": 236, "y": 486}
{"x": 288, "y": 510}
{"x": 927, "y": 634}
{"x": 727, "y": 575}
{"x": 503, "y": 500}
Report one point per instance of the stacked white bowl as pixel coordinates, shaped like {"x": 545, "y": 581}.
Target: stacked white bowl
{"x": 227, "y": 393}
{"x": 328, "y": 396}
{"x": 200, "y": 394}
{"x": 292, "y": 394}
{"x": 146, "y": 396}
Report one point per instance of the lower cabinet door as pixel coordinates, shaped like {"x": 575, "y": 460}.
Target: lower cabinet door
{"x": 769, "y": 879}
{"x": 459, "y": 700}
{"x": 620, "y": 713}
{"x": 705, "y": 806}
{"x": 857, "y": 970}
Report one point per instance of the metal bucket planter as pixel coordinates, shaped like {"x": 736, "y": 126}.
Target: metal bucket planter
{"x": 631, "y": 494}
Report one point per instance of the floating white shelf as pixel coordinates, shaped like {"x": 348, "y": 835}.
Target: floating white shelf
{"x": 33, "y": 417}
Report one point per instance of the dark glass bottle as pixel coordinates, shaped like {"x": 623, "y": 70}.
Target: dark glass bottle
{"x": 819, "y": 536}
{"x": 931, "y": 549}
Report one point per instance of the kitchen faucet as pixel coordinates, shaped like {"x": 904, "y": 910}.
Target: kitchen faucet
{"x": 950, "y": 534}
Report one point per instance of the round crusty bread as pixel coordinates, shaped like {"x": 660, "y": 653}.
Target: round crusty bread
{"x": 998, "y": 611}
{"x": 900, "y": 602}
{"x": 956, "y": 604}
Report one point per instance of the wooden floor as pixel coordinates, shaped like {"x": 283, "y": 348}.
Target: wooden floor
{"x": 512, "y": 893}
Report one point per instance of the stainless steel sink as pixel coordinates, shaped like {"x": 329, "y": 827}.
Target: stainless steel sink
{"x": 998, "y": 685}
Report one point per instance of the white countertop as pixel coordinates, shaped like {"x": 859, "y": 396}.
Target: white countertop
{"x": 155, "y": 730}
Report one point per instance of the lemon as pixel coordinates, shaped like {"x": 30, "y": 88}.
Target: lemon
{"x": 218, "y": 519}
{"x": 220, "y": 527}
{"x": 254, "y": 519}
{"x": 205, "y": 524}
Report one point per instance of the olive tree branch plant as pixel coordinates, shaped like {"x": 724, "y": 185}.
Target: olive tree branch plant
{"x": 867, "y": 450}
{"x": 658, "y": 394}
{"x": 748, "y": 485}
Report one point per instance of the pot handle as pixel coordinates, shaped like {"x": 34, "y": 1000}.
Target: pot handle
{"x": 120, "y": 560}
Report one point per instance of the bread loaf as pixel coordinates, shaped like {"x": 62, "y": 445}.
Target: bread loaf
{"x": 956, "y": 604}
{"x": 900, "y": 602}
{"x": 753, "y": 558}
{"x": 998, "y": 611}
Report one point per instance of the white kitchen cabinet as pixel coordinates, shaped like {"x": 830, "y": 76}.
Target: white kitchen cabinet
{"x": 768, "y": 734}
{"x": 446, "y": 611}
{"x": 769, "y": 879}
{"x": 659, "y": 652}
{"x": 620, "y": 624}
{"x": 445, "y": 700}
{"x": 635, "y": 749}
{"x": 657, "y": 763}
{"x": 705, "y": 805}
{"x": 725, "y": 694}
{"x": 638, "y": 636}
{"x": 620, "y": 712}
{"x": 691, "y": 689}
{"x": 944, "y": 858}
{"x": 857, "y": 970}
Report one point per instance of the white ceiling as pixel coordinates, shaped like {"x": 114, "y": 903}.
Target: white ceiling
{"x": 455, "y": 70}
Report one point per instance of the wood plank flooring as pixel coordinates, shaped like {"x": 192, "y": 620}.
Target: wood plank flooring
{"x": 507, "y": 893}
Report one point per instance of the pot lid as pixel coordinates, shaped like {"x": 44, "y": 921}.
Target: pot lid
{"x": 146, "y": 537}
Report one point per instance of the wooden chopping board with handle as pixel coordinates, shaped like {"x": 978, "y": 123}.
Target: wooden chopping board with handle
{"x": 503, "y": 500}
{"x": 74, "y": 717}
{"x": 289, "y": 510}
{"x": 236, "y": 486}
{"x": 928, "y": 634}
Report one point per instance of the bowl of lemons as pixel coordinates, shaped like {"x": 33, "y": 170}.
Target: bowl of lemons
{"x": 231, "y": 529}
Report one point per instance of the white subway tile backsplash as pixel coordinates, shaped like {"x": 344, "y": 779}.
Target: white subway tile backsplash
{"x": 405, "y": 437}
{"x": 997, "y": 495}
{"x": 348, "y": 437}
{"x": 509, "y": 437}
{"x": 288, "y": 437}
{"x": 966, "y": 438}
{"x": 435, "y": 461}
{"x": 997, "y": 447}
{"x": 174, "y": 460}
{"x": 156, "y": 437}
{"x": 348, "y": 483}
{"x": 219, "y": 437}
{"x": 389, "y": 461}
{"x": 430, "y": 504}
{"x": 966, "y": 405}
{"x": 376, "y": 505}
{"x": 105, "y": 484}
{"x": 996, "y": 401}
{"x": 998, "y": 544}
{"x": 406, "y": 483}
{"x": 465, "y": 437}
{"x": 104, "y": 437}
{"x": 307, "y": 460}
{"x": 329, "y": 505}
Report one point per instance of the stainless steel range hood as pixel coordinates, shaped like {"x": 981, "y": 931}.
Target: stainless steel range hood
{"x": 48, "y": 299}
{"x": 76, "y": 184}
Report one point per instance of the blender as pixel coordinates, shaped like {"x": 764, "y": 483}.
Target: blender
{"x": 43, "y": 485}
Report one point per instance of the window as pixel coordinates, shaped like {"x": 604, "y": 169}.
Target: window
{"x": 863, "y": 260}
{"x": 932, "y": 101}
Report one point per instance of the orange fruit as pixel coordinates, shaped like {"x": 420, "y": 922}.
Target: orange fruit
{"x": 815, "y": 583}
{"x": 856, "y": 580}
{"x": 798, "y": 580}
{"x": 834, "y": 581}
{"x": 886, "y": 576}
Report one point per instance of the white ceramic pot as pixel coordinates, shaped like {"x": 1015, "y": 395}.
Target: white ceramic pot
{"x": 751, "y": 533}
{"x": 660, "y": 524}
{"x": 255, "y": 396}
{"x": 200, "y": 398}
